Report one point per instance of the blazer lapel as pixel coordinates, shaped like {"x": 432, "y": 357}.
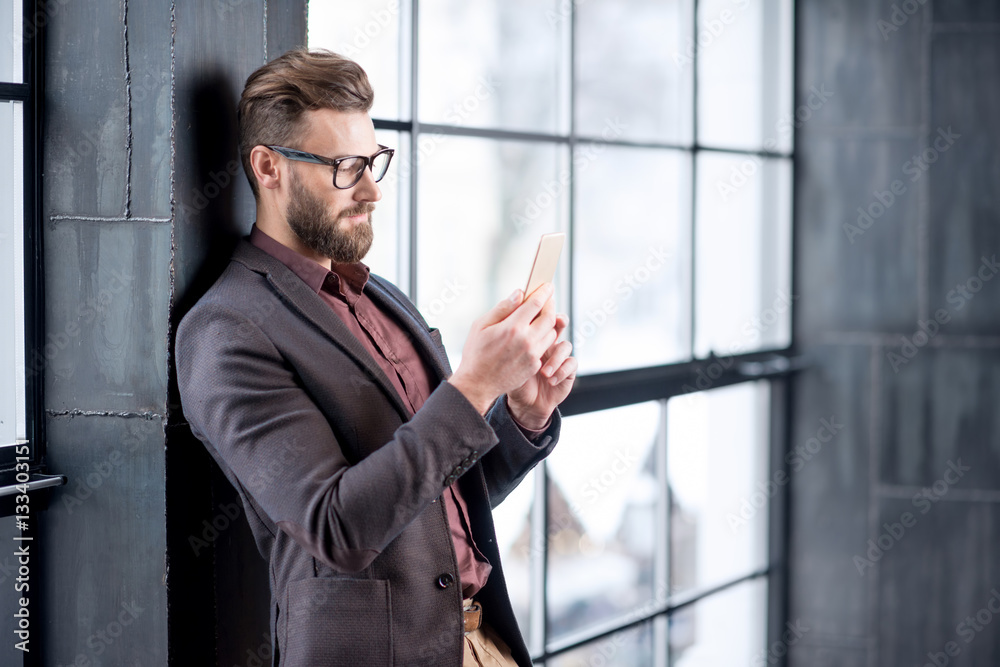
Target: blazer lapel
{"x": 415, "y": 328}
{"x": 312, "y": 307}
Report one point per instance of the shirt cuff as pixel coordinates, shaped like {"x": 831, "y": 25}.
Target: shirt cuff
{"x": 529, "y": 433}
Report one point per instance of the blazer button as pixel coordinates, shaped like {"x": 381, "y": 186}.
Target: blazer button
{"x": 445, "y": 580}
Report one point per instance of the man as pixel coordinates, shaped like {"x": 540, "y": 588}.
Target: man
{"x": 367, "y": 469}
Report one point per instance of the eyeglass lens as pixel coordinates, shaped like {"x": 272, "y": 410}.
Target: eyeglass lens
{"x": 349, "y": 171}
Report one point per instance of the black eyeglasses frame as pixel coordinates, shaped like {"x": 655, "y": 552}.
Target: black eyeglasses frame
{"x": 312, "y": 158}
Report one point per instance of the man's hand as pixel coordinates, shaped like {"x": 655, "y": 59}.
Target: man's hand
{"x": 506, "y": 347}
{"x": 532, "y": 403}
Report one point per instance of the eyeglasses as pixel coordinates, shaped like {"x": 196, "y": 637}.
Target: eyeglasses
{"x": 347, "y": 170}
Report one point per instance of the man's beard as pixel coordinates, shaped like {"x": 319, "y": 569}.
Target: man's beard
{"x": 310, "y": 220}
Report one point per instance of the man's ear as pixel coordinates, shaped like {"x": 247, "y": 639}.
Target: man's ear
{"x": 266, "y": 167}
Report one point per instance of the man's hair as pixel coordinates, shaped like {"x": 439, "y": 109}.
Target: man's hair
{"x": 277, "y": 95}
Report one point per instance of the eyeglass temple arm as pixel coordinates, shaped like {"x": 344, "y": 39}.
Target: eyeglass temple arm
{"x": 301, "y": 156}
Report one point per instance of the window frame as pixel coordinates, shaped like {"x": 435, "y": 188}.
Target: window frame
{"x": 28, "y": 93}
{"x": 604, "y": 390}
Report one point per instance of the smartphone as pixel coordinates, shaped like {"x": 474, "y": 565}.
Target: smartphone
{"x": 543, "y": 270}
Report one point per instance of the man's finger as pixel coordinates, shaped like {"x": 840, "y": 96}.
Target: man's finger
{"x": 565, "y": 371}
{"x": 533, "y": 305}
{"x": 555, "y": 356}
{"x": 562, "y": 321}
{"x": 500, "y": 311}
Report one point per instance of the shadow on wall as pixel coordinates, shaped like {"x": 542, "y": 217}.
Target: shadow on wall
{"x": 206, "y": 205}
{"x": 218, "y": 587}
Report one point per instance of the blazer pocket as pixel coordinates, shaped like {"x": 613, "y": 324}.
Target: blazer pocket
{"x": 338, "y": 622}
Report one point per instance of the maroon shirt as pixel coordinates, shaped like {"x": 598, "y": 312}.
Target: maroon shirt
{"x": 342, "y": 288}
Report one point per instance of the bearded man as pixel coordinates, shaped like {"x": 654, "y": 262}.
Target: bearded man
{"x": 366, "y": 468}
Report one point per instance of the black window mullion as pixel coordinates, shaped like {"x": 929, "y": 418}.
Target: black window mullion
{"x": 414, "y": 144}
{"x": 14, "y": 92}
{"x": 693, "y": 293}
{"x": 646, "y": 614}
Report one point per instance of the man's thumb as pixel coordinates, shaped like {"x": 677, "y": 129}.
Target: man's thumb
{"x": 500, "y": 311}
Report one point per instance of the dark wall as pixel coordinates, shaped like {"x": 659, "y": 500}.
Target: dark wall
{"x": 895, "y": 521}
{"x": 142, "y": 202}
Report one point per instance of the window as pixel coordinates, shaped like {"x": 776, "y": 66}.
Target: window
{"x": 19, "y": 272}
{"x": 658, "y": 136}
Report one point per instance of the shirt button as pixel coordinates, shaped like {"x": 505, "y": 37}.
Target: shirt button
{"x": 445, "y": 580}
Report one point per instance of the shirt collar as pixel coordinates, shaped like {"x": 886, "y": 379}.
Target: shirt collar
{"x": 347, "y": 280}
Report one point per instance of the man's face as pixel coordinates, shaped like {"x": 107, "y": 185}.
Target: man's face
{"x": 331, "y": 222}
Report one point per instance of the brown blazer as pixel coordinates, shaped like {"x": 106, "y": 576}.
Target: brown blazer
{"x": 340, "y": 483}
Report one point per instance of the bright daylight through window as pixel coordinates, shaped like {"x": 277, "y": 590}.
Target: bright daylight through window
{"x": 13, "y": 415}
{"x": 658, "y": 136}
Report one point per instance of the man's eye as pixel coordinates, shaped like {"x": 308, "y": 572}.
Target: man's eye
{"x": 351, "y": 166}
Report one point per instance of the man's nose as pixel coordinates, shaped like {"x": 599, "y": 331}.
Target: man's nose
{"x": 367, "y": 189}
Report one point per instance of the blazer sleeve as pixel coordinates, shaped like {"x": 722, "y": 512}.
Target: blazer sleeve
{"x": 506, "y": 464}
{"x": 242, "y": 399}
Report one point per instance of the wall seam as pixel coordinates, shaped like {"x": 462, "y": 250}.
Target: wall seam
{"x": 102, "y": 218}
{"x": 128, "y": 414}
{"x": 172, "y": 267}
{"x": 128, "y": 113}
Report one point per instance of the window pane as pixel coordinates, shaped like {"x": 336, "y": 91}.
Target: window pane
{"x": 602, "y": 508}
{"x": 743, "y": 249}
{"x": 482, "y": 206}
{"x": 728, "y": 628}
{"x": 389, "y": 256}
{"x": 493, "y": 63}
{"x": 630, "y": 67}
{"x": 12, "y": 370}
{"x": 368, "y": 32}
{"x": 512, "y": 519}
{"x": 632, "y": 647}
{"x": 717, "y": 462}
{"x": 631, "y": 269}
{"x": 745, "y": 74}
{"x": 15, "y": 31}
